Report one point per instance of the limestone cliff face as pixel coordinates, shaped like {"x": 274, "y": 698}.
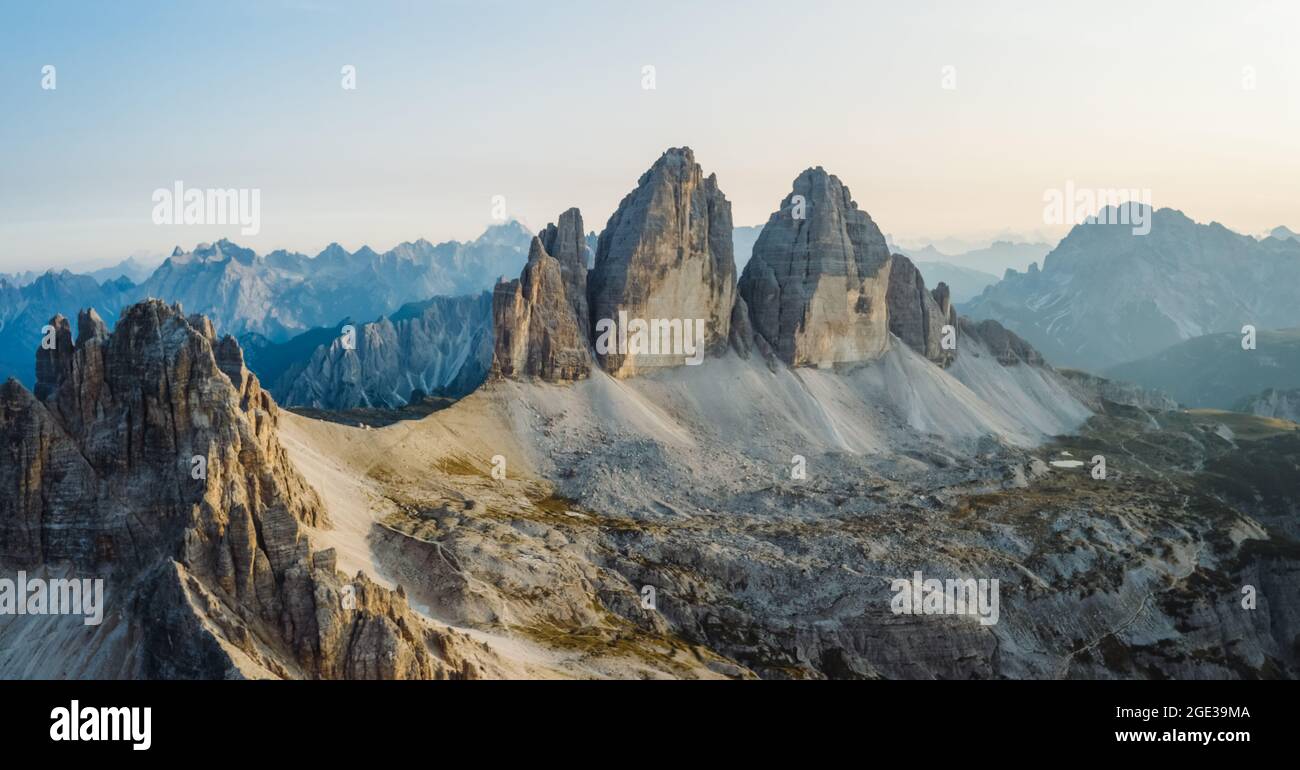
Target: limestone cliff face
{"x": 666, "y": 253}
{"x": 817, "y": 281}
{"x": 916, "y": 316}
{"x": 151, "y": 459}
{"x": 566, "y": 241}
{"x": 537, "y": 331}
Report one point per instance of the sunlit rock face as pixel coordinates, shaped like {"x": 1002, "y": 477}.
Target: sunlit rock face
{"x": 150, "y": 459}
{"x": 666, "y": 254}
{"x": 536, "y": 326}
{"x": 565, "y": 240}
{"x": 817, "y": 281}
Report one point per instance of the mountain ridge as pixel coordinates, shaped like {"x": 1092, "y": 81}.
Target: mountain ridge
{"x": 276, "y": 296}
{"x": 1106, "y": 295}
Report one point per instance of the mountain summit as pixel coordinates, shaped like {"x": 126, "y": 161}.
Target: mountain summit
{"x": 666, "y": 253}
{"x": 817, "y": 281}
{"x": 151, "y": 456}
{"x": 1106, "y": 295}
{"x": 820, "y": 289}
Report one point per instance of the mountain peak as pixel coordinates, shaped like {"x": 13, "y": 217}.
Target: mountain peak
{"x": 675, "y": 222}
{"x": 504, "y": 232}
{"x": 237, "y": 531}
{"x": 333, "y": 254}
{"x": 816, "y": 251}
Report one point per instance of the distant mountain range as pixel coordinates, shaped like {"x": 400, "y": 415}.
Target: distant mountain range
{"x": 743, "y": 239}
{"x": 1214, "y": 371}
{"x": 276, "y": 296}
{"x": 439, "y": 347}
{"x": 134, "y": 269}
{"x": 286, "y": 293}
{"x": 964, "y": 282}
{"x": 1106, "y": 295}
{"x": 994, "y": 259}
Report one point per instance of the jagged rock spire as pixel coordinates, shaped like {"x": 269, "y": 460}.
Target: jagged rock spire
{"x": 536, "y": 326}
{"x": 666, "y": 253}
{"x": 153, "y": 457}
{"x": 566, "y": 241}
{"x": 917, "y": 316}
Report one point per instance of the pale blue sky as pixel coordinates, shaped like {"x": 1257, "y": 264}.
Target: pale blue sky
{"x": 542, "y": 103}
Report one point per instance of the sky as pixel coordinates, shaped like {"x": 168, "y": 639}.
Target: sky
{"x": 544, "y": 104}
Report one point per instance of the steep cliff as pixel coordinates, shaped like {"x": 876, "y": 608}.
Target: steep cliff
{"x": 537, "y": 331}
{"x": 917, "y": 316}
{"x": 151, "y": 460}
{"x": 816, "y": 283}
{"x": 442, "y": 346}
{"x": 666, "y": 254}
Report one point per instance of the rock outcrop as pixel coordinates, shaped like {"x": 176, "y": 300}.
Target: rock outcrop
{"x": 537, "y": 332}
{"x": 26, "y": 310}
{"x": 666, "y": 254}
{"x": 817, "y": 281}
{"x": 151, "y": 460}
{"x": 1006, "y": 347}
{"x": 566, "y": 241}
{"x": 1283, "y": 404}
{"x": 1096, "y": 391}
{"x": 916, "y": 316}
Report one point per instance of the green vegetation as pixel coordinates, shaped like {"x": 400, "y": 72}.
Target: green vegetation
{"x": 1213, "y": 371}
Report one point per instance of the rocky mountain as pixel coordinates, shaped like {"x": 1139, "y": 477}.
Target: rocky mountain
{"x": 439, "y": 347}
{"x": 1281, "y": 404}
{"x": 25, "y": 311}
{"x": 821, "y": 288}
{"x": 272, "y": 297}
{"x": 817, "y": 281}
{"x": 1005, "y": 347}
{"x": 1284, "y": 233}
{"x": 567, "y": 244}
{"x": 1106, "y": 295}
{"x": 538, "y": 317}
{"x": 283, "y": 294}
{"x": 1215, "y": 371}
{"x": 994, "y": 259}
{"x": 666, "y": 253}
{"x": 150, "y": 458}
{"x": 916, "y": 316}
